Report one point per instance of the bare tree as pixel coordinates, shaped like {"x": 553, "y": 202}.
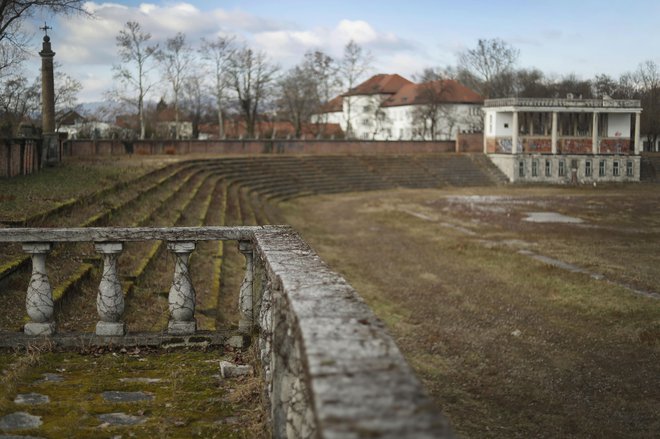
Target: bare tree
{"x": 298, "y": 97}
{"x": 136, "y": 56}
{"x": 324, "y": 70}
{"x": 647, "y": 78}
{"x": 18, "y": 98}
{"x": 487, "y": 67}
{"x": 194, "y": 98}
{"x": 250, "y": 75}
{"x": 176, "y": 59}
{"x": 219, "y": 53}
{"x": 352, "y": 67}
{"x": 13, "y": 13}
{"x": 431, "y": 107}
{"x": 66, "y": 96}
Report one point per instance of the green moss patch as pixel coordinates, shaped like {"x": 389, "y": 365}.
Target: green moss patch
{"x": 190, "y": 399}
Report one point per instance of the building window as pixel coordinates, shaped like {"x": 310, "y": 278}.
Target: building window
{"x": 535, "y": 168}
{"x": 561, "y": 171}
{"x": 587, "y": 168}
{"x": 629, "y": 169}
{"x": 366, "y": 122}
{"x": 365, "y": 136}
{"x": 615, "y": 168}
{"x": 548, "y": 168}
{"x": 601, "y": 168}
{"x": 521, "y": 168}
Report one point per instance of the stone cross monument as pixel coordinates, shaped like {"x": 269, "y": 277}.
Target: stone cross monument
{"x": 50, "y": 150}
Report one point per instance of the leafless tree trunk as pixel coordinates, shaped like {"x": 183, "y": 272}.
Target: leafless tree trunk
{"x": 176, "y": 59}
{"x": 135, "y": 54}
{"x": 219, "y": 53}
{"x": 250, "y": 75}
{"x": 486, "y": 67}
{"x": 355, "y": 63}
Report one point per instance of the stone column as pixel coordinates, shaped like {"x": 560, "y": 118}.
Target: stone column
{"x": 595, "y": 147}
{"x": 245, "y": 294}
{"x": 50, "y": 150}
{"x": 638, "y": 134}
{"x": 39, "y": 299}
{"x": 110, "y": 298}
{"x": 182, "y": 294}
{"x": 514, "y": 134}
{"x": 553, "y": 133}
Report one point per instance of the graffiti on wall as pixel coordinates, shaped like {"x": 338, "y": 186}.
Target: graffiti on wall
{"x": 615, "y": 146}
{"x": 505, "y": 144}
{"x": 537, "y": 144}
{"x": 575, "y": 146}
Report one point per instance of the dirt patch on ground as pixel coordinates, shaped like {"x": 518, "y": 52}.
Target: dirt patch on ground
{"x": 507, "y": 345}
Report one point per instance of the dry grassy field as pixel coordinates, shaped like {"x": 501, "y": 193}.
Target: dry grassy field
{"x": 518, "y": 327}
{"x": 508, "y": 340}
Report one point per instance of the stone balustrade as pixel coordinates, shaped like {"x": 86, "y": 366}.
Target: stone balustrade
{"x": 330, "y": 368}
{"x": 557, "y": 102}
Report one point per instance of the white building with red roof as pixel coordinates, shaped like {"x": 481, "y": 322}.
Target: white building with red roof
{"x": 391, "y": 107}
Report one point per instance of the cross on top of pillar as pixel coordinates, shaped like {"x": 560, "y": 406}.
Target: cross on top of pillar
{"x": 46, "y": 28}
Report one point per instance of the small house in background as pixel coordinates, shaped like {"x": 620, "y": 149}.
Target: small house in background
{"x": 564, "y": 140}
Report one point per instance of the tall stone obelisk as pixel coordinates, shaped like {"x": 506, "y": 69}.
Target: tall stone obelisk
{"x": 50, "y": 150}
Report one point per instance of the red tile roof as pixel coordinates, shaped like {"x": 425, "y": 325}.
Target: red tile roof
{"x": 447, "y": 90}
{"x": 333, "y": 105}
{"x": 379, "y": 84}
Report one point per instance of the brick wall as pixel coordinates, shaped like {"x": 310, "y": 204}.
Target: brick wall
{"x": 82, "y": 148}
{"x": 18, "y": 157}
{"x": 473, "y": 142}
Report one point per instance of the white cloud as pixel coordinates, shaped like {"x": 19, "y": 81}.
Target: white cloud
{"x": 86, "y": 46}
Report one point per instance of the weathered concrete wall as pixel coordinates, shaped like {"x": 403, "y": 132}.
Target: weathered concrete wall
{"x": 86, "y": 148}
{"x": 18, "y": 157}
{"x": 332, "y": 371}
{"x": 563, "y": 169}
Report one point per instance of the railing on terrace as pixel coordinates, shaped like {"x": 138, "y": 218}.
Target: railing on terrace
{"x": 568, "y": 103}
{"x": 330, "y": 369}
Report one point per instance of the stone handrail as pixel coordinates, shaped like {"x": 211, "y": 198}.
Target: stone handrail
{"x": 554, "y": 102}
{"x": 330, "y": 368}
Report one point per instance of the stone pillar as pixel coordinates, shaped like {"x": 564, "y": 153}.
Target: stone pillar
{"x": 50, "y": 150}
{"x": 182, "y": 294}
{"x": 514, "y": 134}
{"x": 110, "y": 298}
{"x": 39, "y": 300}
{"x": 553, "y": 133}
{"x": 47, "y": 88}
{"x": 245, "y": 294}
{"x": 638, "y": 134}
{"x": 595, "y": 147}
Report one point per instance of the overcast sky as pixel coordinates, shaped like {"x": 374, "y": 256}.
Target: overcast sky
{"x": 557, "y": 36}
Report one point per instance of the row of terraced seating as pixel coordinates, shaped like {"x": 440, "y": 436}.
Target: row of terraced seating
{"x": 285, "y": 177}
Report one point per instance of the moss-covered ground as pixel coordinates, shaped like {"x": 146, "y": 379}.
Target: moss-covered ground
{"x": 190, "y": 398}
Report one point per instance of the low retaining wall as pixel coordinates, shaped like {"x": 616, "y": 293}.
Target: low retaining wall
{"x": 331, "y": 369}
{"x": 91, "y": 148}
{"x": 18, "y": 157}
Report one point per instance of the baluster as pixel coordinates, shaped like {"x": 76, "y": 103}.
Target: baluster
{"x": 110, "y": 298}
{"x": 245, "y": 293}
{"x": 182, "y": 294}
{"x": 39, "y": 299}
